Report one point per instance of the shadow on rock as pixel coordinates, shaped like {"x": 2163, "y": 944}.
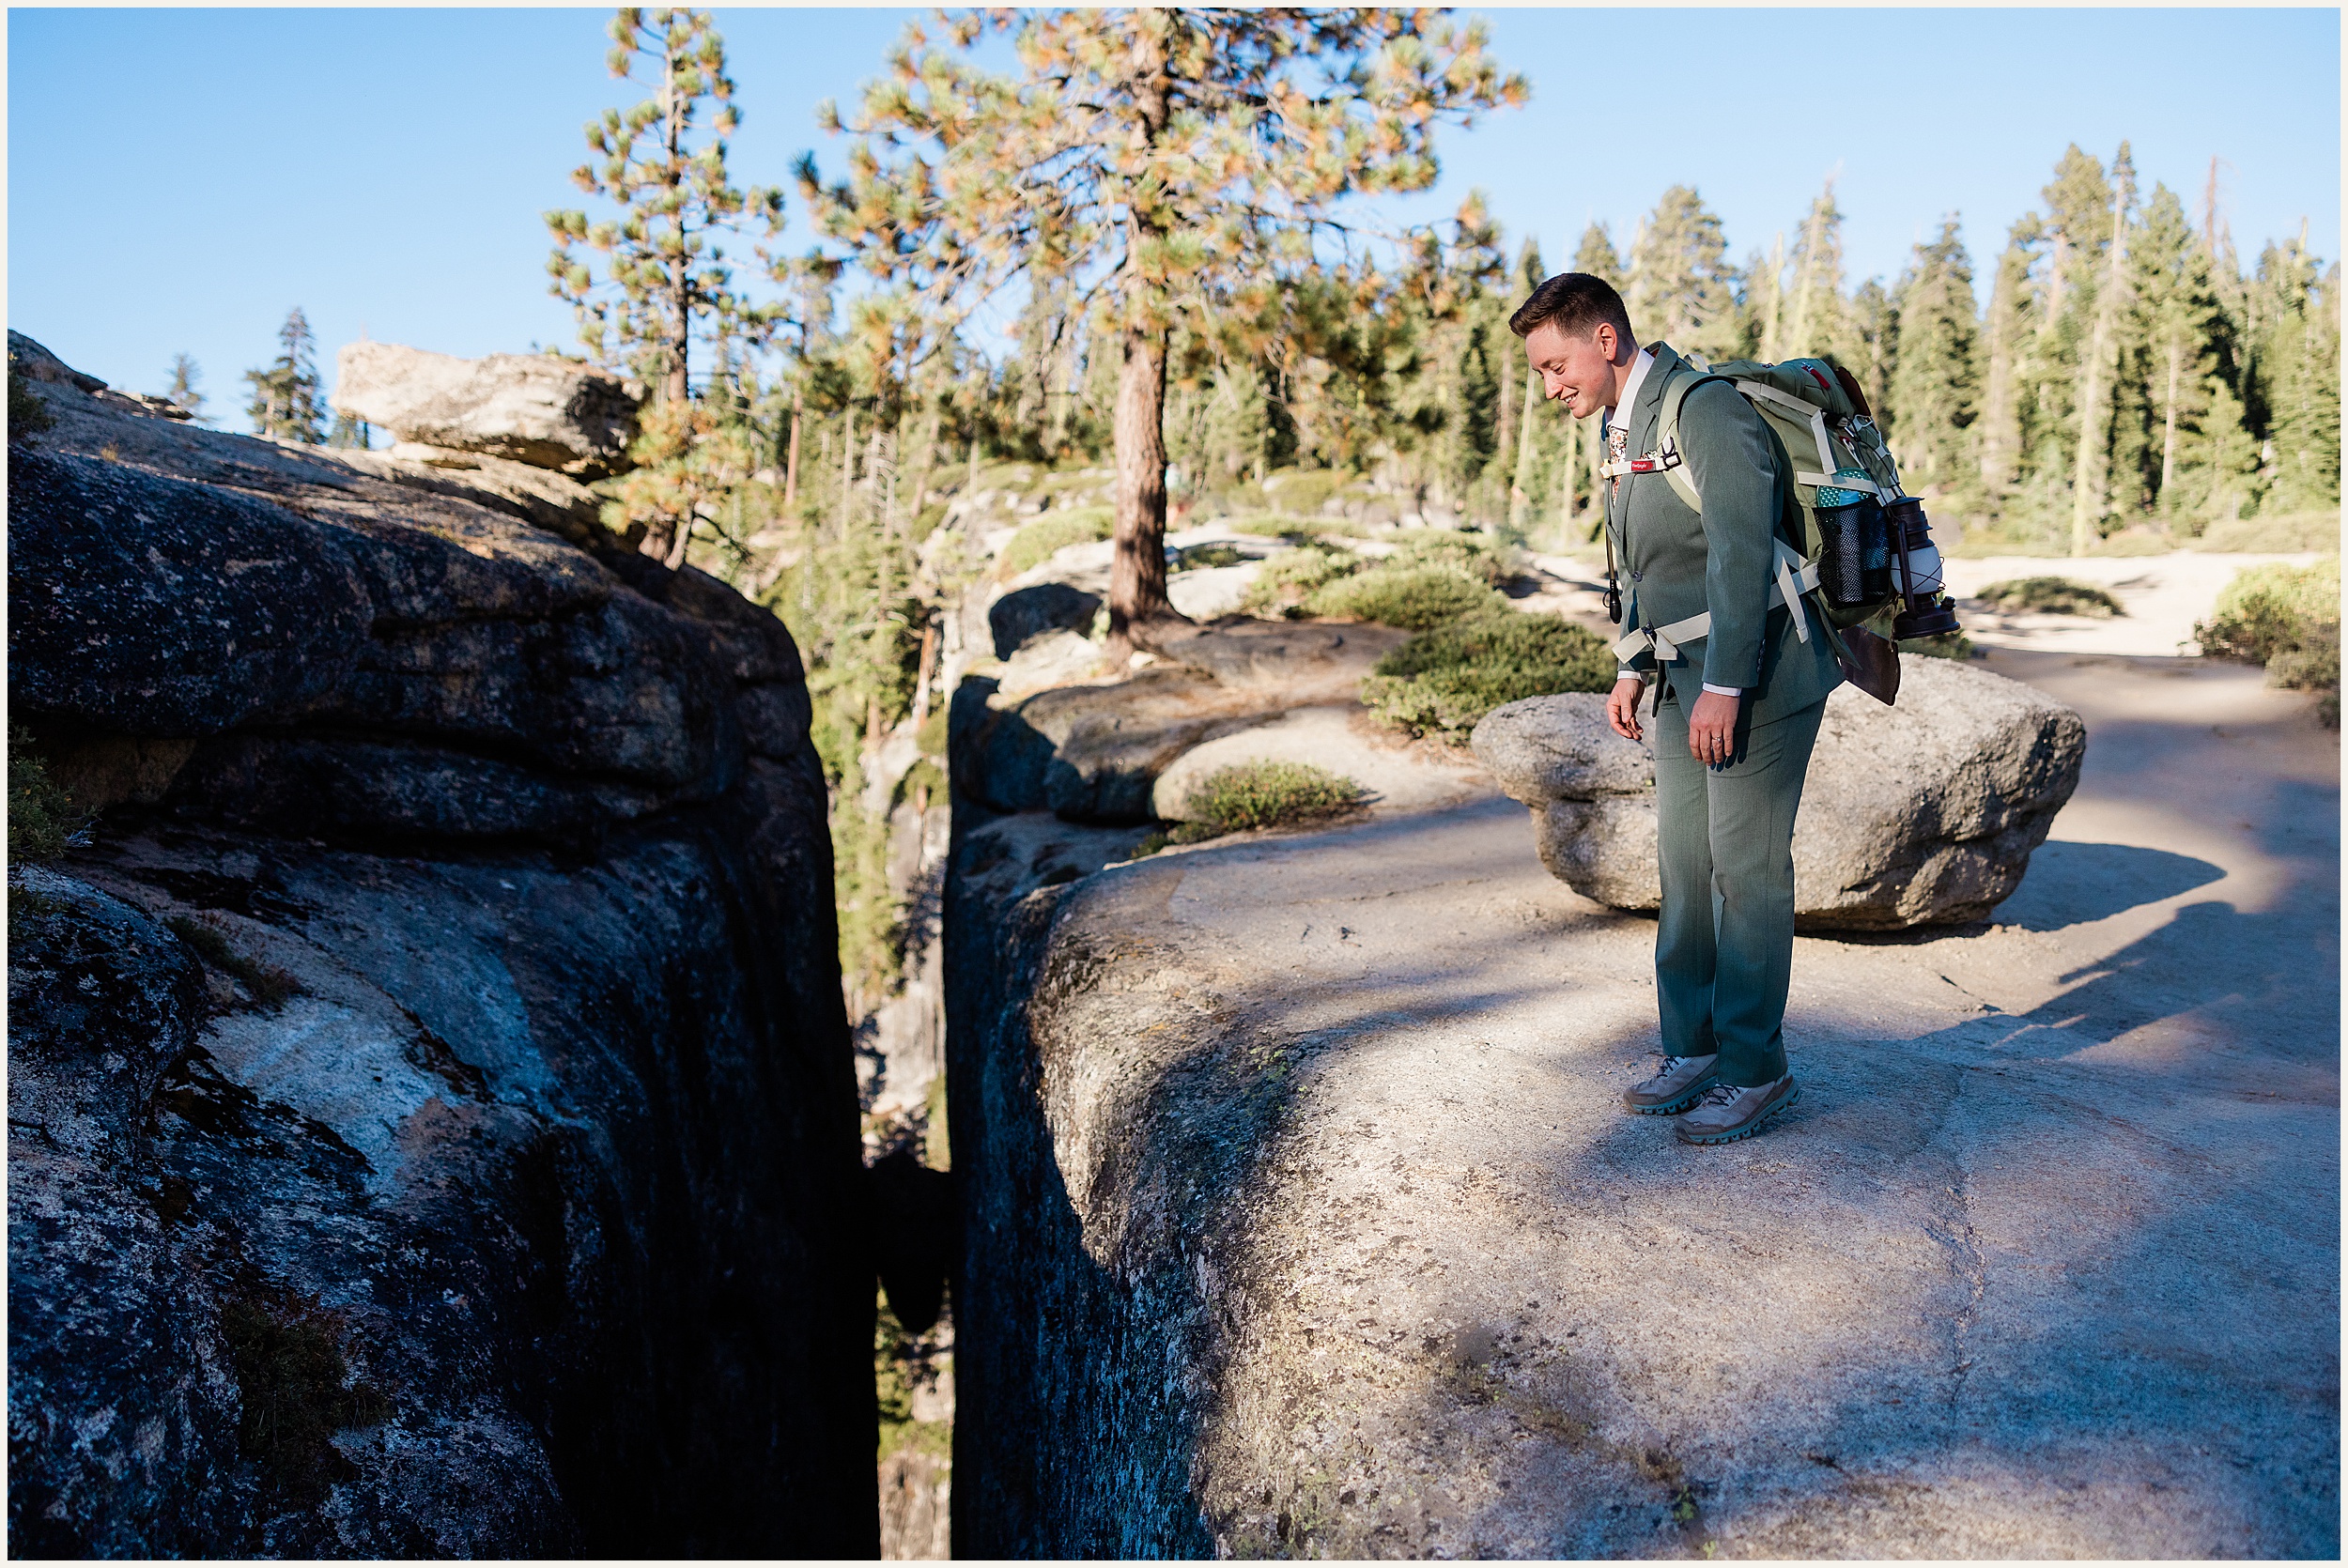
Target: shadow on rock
{"x": 2070, "y": 884}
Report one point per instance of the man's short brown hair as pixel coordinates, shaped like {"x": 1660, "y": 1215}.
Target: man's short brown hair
{"x": 1577, "y": 302}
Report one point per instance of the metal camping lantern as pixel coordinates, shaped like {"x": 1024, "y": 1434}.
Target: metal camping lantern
{"x": 1925, "y": 613}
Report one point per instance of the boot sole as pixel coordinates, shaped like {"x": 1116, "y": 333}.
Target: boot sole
{"x": 1671, "y": 1108}
{"x": 1745, "y": 1131}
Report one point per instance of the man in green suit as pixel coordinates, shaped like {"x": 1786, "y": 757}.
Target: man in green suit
{"x": 1740, "y": 680}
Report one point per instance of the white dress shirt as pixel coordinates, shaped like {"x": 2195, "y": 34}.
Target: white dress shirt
{"x": 1629, "y": 400}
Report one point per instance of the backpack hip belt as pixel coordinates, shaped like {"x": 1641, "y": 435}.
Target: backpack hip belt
{"x": 1795, "y": 578}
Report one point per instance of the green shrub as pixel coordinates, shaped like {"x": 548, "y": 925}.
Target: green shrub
{"x": 1948, "y": 645}
{"x": 1259, "y": 794}
{"x": 1443, "y": 680}
{"x": 287, "y": 1357}
{"x": 1288, "y": 578}
{"x": 2286, "y": 618}
{"x": 41, "y": 820}
{"x": 1415, "y": 598}
{"x": 2275, "y": 531}
{"x": 1302, "y": 490}
{"x": 28, "y": 414}
{"x": 1200, "y": 557}
{"x": 1055, "y": 530}
{"x": 2049, "y": 596}
{"x": 1473, "y": 555}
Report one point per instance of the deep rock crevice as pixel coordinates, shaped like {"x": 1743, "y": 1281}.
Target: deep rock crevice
{"x": 433, "y": 1121}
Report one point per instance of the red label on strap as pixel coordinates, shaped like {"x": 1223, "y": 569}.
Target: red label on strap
{"x": 1816, "y": 377}
{"x": 1643, "y": 465}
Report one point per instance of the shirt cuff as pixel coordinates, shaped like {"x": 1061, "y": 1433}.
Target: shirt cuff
{"x": 1724, "y": 691}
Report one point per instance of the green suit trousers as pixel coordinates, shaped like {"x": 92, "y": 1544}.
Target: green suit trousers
{"x": 1724, "y": 937}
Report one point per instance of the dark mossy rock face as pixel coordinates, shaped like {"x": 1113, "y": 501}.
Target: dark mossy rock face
{"x": 433, "y": 1124}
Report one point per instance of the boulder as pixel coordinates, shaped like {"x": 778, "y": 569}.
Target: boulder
{"x": 433, "y": 1126}
{"x": 1095, "y": 752}
{"x": 1025, "y": 614}
{"x": 35, "y": 364}
{"x": 1916, "y": 815}
{"x": 535, "y": 408}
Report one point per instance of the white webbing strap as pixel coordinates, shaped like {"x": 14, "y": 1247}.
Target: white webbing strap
{"x": 1795, "y": 578}
{"x": 1818, "y": 438}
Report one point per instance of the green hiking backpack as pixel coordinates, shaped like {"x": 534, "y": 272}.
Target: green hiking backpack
{"x": 1821, "y": 419}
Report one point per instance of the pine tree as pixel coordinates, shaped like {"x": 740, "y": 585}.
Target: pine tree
{"x": 665, "y": 282}
{"x": 2301, "y": 374}
{"x": 287, "y": 402}
{"x": 1871, "y": 334}
{"x": 1935, "y": 381}
{"x": 2184, "y": 340}
{"x": 1597, "y": 257}
{"x": 1529, "y": 274}
{"x": 2091, "y": 467}
{"x": 1816, "y": 318}
{"x": 1682, "y": 289}
{"x": 350, "y": 431}
{"x": 2006, "y": 336}
{"x": 1172, "y": 160}
{"x": 185, "y": 373}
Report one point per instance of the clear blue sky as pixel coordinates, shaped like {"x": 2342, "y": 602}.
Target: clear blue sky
{"x": 179, "y": 179}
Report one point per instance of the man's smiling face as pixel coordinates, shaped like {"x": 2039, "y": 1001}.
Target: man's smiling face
{"x": 1577, "y": 371}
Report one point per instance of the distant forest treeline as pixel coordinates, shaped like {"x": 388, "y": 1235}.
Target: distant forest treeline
{"x": 1163, "y": 199}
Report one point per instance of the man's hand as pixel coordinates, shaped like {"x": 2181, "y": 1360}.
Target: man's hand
{"x": 1712, "y": 727}
{"x": 1622, "y": 707}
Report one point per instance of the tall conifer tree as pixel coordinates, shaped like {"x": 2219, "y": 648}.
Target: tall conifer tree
{"x": 288, "y": 401}
{"x": 185, "y": 373}
{"x": 665, "y": 281}
{"x": 1169, "y": 160}
{"x": 1936, "y": 381}
{"x": 1682, "y": 289}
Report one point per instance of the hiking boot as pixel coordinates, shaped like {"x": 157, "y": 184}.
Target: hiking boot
{"x": 1673, "y": 1089}
{"x": 1725, "y": 1112}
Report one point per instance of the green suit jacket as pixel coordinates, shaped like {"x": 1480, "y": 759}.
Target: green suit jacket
{"x": 1677, "y": 562}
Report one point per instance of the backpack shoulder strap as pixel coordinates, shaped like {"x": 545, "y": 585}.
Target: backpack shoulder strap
{"x": 1676, "y": 392}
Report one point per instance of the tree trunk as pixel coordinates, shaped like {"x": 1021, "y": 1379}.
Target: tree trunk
{"x": 847, "y": 469}
{"x": 1137, "y": 574}
{"x": 2087, "y": 476}
{"x": 677, "y": 388}
{"x": 1518, "y": 499}
{"x": 1502, "y": 430}
{"x": 1569, "y": 475}
{"x": 791, "y": 464}
{"x": 2169, "y": 421}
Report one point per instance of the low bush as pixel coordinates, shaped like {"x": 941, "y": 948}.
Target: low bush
{"x": 1286, "y": 579}
{"x": 1200, "y": 558}
{"x": 1055, "y": 530}
{"x": 28, "y": 414}
{"x": 1246, "y": 796}
{"x": 1473, "y": 555}
{"x": 2286, "y": 618}
{"x": 2049, "y": 596}
{"x": 41, "y": 820}
{"x": 1443, "y": 680}
{"x": 2273, "y": 531}
{"x": 1417, "y": 598}
{"x": 1303, "y": 490}
{"x": 1948, "y": 645}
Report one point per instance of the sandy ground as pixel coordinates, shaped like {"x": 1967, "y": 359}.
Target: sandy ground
{"x": 2045, "y": 1262}
{"x": 2162, "y": 595}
